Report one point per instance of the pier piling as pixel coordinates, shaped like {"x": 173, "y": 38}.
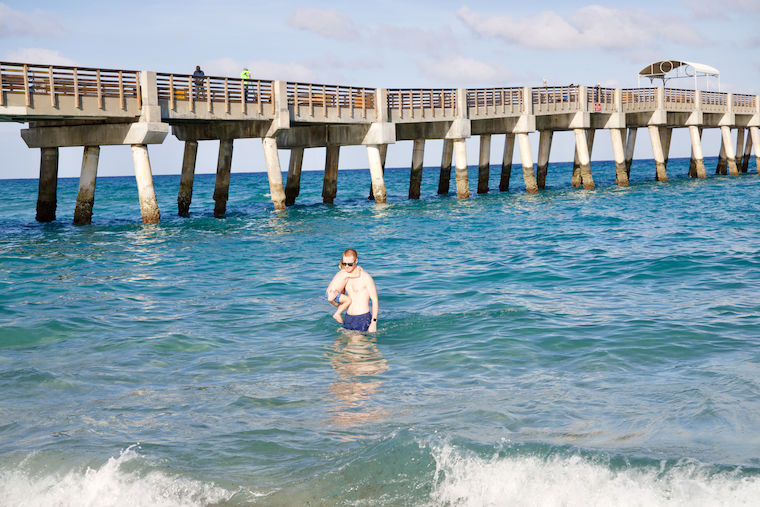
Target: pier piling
{"x": 722, "y": 167}
{"x": 630, "y": 146}
{"x": 383, "y": 151}
{"x": 185, "y": 195}
{"x": 222, "y": 185}
{"x": 274, "y": 175}
{"x": 696, "y": 150}
{"x": 544, "y": 148}
{"x": 584, "y": 143}
{"x": 48, "y": 185}
{"x": 655, "y": 137}
{"x": 506, "y": 163}
{"x": 415, "y": 175}
{"x": 618, "y": 153}
{"x": 754, "y": 133}
{"x": 577, "y": 177}
{"x": 747, "y": 152}
{"x": 529, "y": 176}
{"x": 293, "y": 184}
{"x": 460, "y": 169}
{"x": 145, "y": 191}
{"x": 376, "y": 156}
{"x": 445, "y": 178}
{"x": 484, "y": 163}
{"x": 725, "y": 132}
{"x": 330, "y": 184}
{"x": 86, "y": 192}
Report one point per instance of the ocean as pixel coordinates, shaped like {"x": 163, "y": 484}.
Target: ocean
{"x": 569, "y": 348}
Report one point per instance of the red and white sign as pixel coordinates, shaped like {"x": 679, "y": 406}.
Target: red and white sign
{"x": 597, "y": 107}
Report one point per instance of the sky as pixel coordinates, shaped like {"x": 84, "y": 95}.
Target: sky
{"x": 390, "y": 44}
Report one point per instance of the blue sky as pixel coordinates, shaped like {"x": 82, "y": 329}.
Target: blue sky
{"x": 389, "y": 44}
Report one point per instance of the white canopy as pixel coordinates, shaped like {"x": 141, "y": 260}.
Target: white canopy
{"x": 679, "y": 69}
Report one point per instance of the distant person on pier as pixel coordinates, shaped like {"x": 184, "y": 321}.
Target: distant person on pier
{"x": 246, "y": 77}
{"x": 198, "y": 81}
{"x": 360, "y": 289}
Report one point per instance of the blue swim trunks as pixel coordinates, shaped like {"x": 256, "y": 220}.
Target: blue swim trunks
{"x": 337, "y": 298}
{"x": 357, "y": 322}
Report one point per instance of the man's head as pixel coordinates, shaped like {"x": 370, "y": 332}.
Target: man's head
{"x": 349, "y": 259}
{"x": 197, "y": 67}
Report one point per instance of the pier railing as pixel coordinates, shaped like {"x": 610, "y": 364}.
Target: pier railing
{"x": 215, "y": 90}
{"x": 556, "y": 99}
{"x": 679, "y": 100}
{"x": 406, "y": 104}
{"x": 639, "y": 99}
{"x": 494, "y": 101}
{"x": 714, "y": 102}
{"x": 601, "y": 100}
{"x": 745, "y": 104}
{"x": 34, "y": 81}
{"x": 310, "y": 99}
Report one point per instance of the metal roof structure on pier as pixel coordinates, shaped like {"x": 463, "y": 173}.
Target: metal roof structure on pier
{"x": 671, "y": 69}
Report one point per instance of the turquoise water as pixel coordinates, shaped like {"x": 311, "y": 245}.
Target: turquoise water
{"x": 567, "y": 348}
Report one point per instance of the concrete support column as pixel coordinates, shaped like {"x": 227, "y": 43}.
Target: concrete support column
{"x": 659, "y": 158}
{"x": 725, "y": 132}
{"x": 415, "y": 176}
{"x": 185, "y": 195}
{"x": 747, "y": 153}
{"x": 577, "y": 178}
{"x": 544, "y": 148}
{"x": 145, "y": 190}
{"x": 48, "y": 185}
{"x": 754, "y": 133}
{"x": 445, "y": 178}
{"x": 376, "y": 157}
{"x": 523, "y": 142}
{"x": 383, "y": 149}
{"x": 666, "y": 134}
{"x": 460, "y": 169}
{"x": 222, "y": 186}
{"x": 330, "y": 184}
{"x": 506, "y": 163}
{"x": 722, "y": 167}
{"x": 739, "y": 148}
{"x": 696, "y": 149}
{"x": 583, "y": 146}
{"x": 293, "y": 185}
{"x": 86, "y": 193}
{"x": 484, "y": 163}
{"x": 630, "y": 145}
{"x": 274, "y": 174}
{"x": 618, "y": 153}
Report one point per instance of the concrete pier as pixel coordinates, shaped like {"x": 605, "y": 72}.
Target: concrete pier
{"x": 696, "y": 150}
{"x": 185, "y": 195}
{"x": 383, "y": 151}
{"x": 145, "y": 191}
{"x": 659, "y": 157}
{"x": 666, "y": 134}
{"x": 484, "y": 163}
{"x": 293, "y": 184}
{"x": 506, "y": 163}
{"x": 583, "y": 145}
{"x": 544, "y": 148}
{"x": 375, "y": 154}
{"x": 739, "y": 149}
{"x": 86, "y": 192}
{"x": 222, "y": 185}
{"x": 630, "y": 146}
{"x": 747, "y": 152}
{"x": 272, "y": 160}
{"x": 330, "y": 184}
{"x": 460, "y": 169}
{"x": 729, "y": 147}
{"x": 529, "y": 176}
{"x": 722, "y": 167}
{"x": 754, "y": 133}
{"x": 577, "y": 178}
{"x": 618, "y": 153}
{"x": 415, "y": 176}
{"x": 445, "y": 178}
{"x": 48, "y": 185}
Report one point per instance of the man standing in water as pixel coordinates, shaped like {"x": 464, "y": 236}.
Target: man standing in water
{"x": 361, "y": 290}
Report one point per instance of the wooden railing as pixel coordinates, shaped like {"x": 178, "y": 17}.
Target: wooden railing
{"x": 744, "y": 103}
{"x": 495, "y": 100}
{"x": 548, "y": 99}
{"x": 639, "y": 99}
{"x": 680, "y": 100}
{"x": 714, "y": 102}
{"x": 418, "y": 101}
{"x": 55, "y": 80}
{"x": 215, "y": 89}
{"x": 601, "y": 100}
{"x": 311, "y": 96}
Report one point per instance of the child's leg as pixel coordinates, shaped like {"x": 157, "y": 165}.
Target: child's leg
{"x": 345, "y": 302}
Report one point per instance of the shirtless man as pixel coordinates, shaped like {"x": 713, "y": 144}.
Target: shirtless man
{"x": 361, "y": 290}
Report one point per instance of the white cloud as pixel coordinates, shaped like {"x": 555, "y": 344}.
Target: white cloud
{"x": 461, "y": 70}
{"x": 325, "y": 22}
{"x": 590, "y": 27}
{"x": 38, "y": 55}
{"x": 16, "y": 23}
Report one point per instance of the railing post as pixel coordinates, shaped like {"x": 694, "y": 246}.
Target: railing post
{"x": 100, "y": 89}
{"x": 52, "y": 86}
{"x": 27, "y": 95}
{"x": 121, "y": 91}
{"x": 527, "y": 98}
{"x": 76, "y": 88}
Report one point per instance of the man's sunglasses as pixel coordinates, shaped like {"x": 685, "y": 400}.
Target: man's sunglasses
{"x": 349, "y": 264}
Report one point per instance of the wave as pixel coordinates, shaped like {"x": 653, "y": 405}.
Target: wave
{"x": 464, "y": 479}
{"x": 113, "y": 484}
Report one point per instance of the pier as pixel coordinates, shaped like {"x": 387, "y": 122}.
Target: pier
{"x": 90, "y": 108}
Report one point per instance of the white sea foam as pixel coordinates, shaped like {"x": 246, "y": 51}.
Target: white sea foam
{"x": 109, "y": 485}
{"x": 465, "y": 480}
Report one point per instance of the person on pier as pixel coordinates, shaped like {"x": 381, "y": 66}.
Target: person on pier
{"x": 198, "y": 81}
{"x": 245, "y": 75}
{"x": 360, "y": 289}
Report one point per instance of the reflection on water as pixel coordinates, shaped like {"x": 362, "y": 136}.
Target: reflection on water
{"x": 355, "y": 356}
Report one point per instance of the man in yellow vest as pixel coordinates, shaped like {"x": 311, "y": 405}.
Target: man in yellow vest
{"x": 246, "y": 77}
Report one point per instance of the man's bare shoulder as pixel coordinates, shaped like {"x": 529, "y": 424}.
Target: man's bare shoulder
{"x": 366, "y": 276}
